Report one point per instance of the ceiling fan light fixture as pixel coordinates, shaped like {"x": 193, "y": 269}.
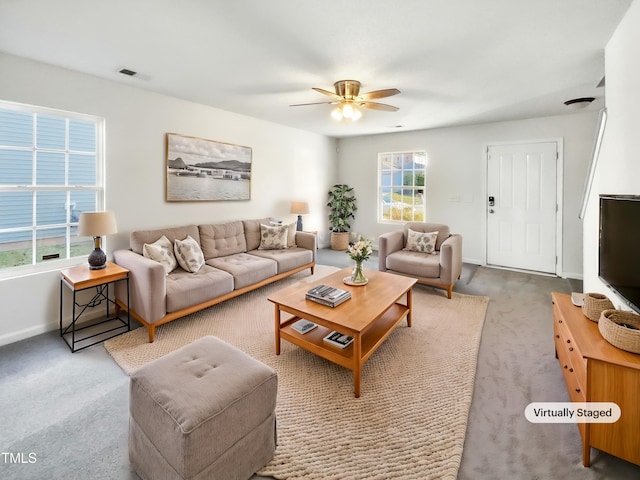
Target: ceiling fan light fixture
{"x": 347, "y": 110}
{"x": 350, "y": 102}
{"x": 337, "y": 114}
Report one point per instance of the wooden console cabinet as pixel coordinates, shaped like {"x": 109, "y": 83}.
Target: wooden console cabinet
{"x": 596, "y": 371}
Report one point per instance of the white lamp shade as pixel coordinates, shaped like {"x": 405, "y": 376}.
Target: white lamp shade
{"x": 97, "y": 224}
{"x": 299, "y": 207}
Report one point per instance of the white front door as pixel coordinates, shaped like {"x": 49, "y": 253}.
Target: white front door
{"x": 521, "y": 206}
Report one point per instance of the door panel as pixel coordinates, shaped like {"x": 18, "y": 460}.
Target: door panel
{"x": 521, "y": 224}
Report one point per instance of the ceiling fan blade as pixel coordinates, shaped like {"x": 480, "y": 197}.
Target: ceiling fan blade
{"x": 327, "y": 92}
{"x": 378, "y": 106}
{"x": 379, "y": 94}
{"x": 315, "y": 103}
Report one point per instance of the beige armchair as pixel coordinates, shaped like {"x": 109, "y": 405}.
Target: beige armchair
{"x": 439, "y": 269}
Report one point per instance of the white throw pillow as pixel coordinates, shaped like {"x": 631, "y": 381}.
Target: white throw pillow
{"x": 291, "y": 235}
{"x": 189, "y": 254}
{"x": 161, "y": 251}
{"x": 273, "y": 238}
{"x": 424, "y": 242}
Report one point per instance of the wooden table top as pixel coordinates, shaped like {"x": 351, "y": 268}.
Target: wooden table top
{"x": 367, "y": 303}
{"x": 82, "y": 276}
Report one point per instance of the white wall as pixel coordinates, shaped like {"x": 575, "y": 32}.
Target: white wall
{"x": 288, "y": 164}
{"x": 456, "y": 168}
{"x": 618, "y": 168}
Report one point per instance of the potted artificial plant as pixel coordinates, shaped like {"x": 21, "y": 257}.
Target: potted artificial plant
{"x": 342, "y": 204}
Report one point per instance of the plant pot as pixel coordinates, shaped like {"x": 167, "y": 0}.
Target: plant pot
{"x": 339, "y": 240}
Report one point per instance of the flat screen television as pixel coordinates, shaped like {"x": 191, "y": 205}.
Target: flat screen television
{"x": 619, "y": 250}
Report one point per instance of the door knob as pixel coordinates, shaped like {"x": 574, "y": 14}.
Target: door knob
{"x": 491, "y": 210}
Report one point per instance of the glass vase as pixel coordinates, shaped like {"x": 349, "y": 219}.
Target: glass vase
{"x": 357, "y": 274}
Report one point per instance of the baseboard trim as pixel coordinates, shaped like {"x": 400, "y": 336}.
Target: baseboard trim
{"x": 573, "y": 276}
{"x": 13, "y": 337}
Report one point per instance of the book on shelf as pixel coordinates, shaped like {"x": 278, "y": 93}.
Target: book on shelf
{"x": 338, "y": 339}
{"x": 327, "y": 295}
{"x": 303, "y": 326}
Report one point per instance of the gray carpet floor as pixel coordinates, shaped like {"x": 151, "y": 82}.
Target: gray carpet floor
{"x": 65, "y": 416}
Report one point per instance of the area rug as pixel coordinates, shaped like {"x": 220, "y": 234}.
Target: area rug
{"x": 410, "y": 420}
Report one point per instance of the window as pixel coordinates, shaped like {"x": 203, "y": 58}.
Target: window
{"x": 401, "y": 186}
{"x": 50, "y": 172}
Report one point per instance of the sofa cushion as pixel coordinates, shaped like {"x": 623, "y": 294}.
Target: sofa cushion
{"x": 185, "y": 289}
{"x": 252, "y": 232}
{"x": 221, "y": 239}
{"x": 140, "y": 237}
{"x": 287, "y": 259}
{"x": 273, "y": 237}
{"x": 424, "y": 242}
{"x": 414, "y": 263}
{"x": 188, "y": 254}
{"x": 246, "y": 269}
{"x": 161, "y": 251}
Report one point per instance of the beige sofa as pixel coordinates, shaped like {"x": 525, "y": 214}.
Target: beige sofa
{"x": 440, "y": 269}
{"x": 234, "y": 264}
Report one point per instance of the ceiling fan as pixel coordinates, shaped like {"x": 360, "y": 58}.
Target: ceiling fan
{"x": 348, "y": 98}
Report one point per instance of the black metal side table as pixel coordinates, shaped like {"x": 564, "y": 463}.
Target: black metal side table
{"x": 82, "y": 278}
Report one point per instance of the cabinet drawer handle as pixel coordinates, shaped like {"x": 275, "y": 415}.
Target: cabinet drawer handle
{"x": 559, "y": 321}
{"x": 571, "y": 349}
{"x": 577, "y": 390}
{"x": 571, "y": 370}
{"x": 557, "y": 336}
{"x": 568, "y": 341}
{"x": 566, "y": 366}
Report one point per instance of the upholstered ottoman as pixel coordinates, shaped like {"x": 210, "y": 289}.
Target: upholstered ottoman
{"x": 205, "y": 411}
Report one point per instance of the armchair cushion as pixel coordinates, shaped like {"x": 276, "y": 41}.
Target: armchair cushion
{"x": 414, "y": 263}
{"x": 424, "y": 242}
{"x": 443, "y": 231}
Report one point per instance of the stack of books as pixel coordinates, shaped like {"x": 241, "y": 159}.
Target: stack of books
{"x": 303, "y": 326}
{"x": 326, "y": 295}
{"x": 337, "y": 339}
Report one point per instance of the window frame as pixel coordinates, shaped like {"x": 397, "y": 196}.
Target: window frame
{"x": 381, "y": 187}
{"x": 34, "y": 188}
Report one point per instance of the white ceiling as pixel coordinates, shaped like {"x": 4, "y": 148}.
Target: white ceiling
{"x": 456, "y": 62}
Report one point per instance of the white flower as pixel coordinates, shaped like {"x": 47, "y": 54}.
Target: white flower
{"x": 361, "y": 250}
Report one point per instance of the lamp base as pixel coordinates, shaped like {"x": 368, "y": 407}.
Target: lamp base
{"x": 299, "y": 225}
{"x": 97, "y": 260}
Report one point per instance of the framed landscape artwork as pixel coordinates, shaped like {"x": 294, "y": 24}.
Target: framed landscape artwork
{"x": 206, "y": 170}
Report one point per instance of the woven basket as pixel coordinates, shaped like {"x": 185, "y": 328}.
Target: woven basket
{"x": 625, "y": 338}
{"x": 594, "y": 304}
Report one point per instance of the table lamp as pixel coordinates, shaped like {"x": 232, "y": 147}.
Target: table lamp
{"x": 299, "y": 208}
{"x": 97, "y": 224}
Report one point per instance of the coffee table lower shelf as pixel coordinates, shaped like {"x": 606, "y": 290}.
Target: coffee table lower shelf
{"x": 354, "y": 355}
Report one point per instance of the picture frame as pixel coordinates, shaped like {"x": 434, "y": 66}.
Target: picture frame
{"x": 201, "y": 170}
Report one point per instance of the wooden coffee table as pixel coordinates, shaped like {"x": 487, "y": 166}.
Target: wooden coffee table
{"x": 369, "y": 316}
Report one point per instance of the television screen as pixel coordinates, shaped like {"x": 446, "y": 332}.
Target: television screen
{"x": 619, "y": 252}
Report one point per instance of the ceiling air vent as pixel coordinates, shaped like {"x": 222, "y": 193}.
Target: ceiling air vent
{"x": 126, "y": 71}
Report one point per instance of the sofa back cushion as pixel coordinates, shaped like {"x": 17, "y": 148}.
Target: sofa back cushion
{"x": 443, "y": 231}
{"x": 222, "y": 239}
{"x": 252, "y": 232}
{"x": 140, "y": 237}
